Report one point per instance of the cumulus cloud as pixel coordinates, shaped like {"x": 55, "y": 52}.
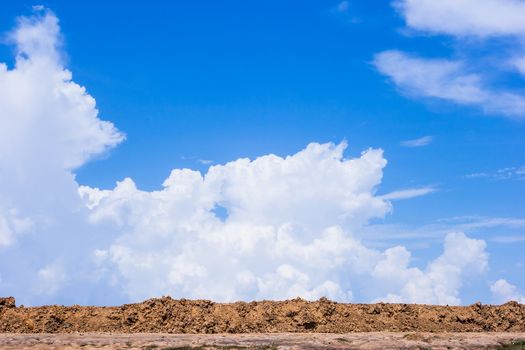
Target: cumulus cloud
{"x": 440, "y": 282}
{"x": 503, "y": 291}
{"x": 39, "y": 96}
{"x": 291, "y": 226}
{"x": 455, "y": 80}
{"x": 283, "y": 230}
{"x": 291, "y": 230}
{"x": 446, "y": 80}
{"x": 49, "y": 126}
{"x": 419, "y": 142}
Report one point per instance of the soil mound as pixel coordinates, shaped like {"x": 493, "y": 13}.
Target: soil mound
{"x": 166, "y": 315}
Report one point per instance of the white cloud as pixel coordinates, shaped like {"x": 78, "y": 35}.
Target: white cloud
{"x": 38, "y": 96}
{"x": 431, "y": 77}
{"x": 441, "y": 280}
{"x": 509, "y": 173}
{"x": 508, "y": 239}
{"x": 446, "y": 80}
{"x": 343, "y": 10}
{"x": 11, "y": 223}
{"x": 519, "y": 64}
{"x": 205, "y": 161}
{"x": 283, "y": 213}
{"x": 503, "y": 291}
{"x": 198, "y": 160}
{"x": 6, "y": 235}
{"x": 409, "y": 193}
{"x": 38, "y": 8}
{"x": 51, "y": 279}
{"x": 49, "y": 124}
{"x": 495, "y": 229}
{"x": 288, "y": 233}
{"x": 419, "y": 142}
{"x": 482, "y": 18}
{"x": 291, "y": 226}
{"x": 478, "y": 222}
{"x": 470, "y": 81}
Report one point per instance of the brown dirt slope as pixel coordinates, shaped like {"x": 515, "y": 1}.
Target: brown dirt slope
{"x": 166, "y": 315}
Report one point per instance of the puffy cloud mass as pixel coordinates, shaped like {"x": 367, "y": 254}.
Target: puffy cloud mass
{"x": 272, "y": 227}
{"x": 286, "y": 232}
{"x": 43, "y": 110}
{"x": 291, "y": 230}
{"x": 504, "y": 291}
{"x": 442, "y": 279}
{"x": 49, "y": 126}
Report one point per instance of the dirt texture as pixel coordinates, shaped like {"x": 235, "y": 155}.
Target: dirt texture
{"x": 268, "y": 341}
{"x": 166, "y": 315}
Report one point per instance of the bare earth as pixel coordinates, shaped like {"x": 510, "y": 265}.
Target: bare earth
{"x": 166, "y": 323}
{"x": 371, "y": 340}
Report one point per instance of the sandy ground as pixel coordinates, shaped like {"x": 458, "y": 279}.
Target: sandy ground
{"x": 370, "y": 340}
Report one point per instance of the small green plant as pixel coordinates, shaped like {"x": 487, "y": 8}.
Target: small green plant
{"x": 515, "y": 345}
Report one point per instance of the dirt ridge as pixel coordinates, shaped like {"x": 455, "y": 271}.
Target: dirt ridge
{"x": 167, "y": 315}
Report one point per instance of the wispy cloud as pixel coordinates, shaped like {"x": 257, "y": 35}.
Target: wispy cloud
{"x": 205, "y": 161}
{"x": 469, "y": 81}
{"x": 420, "y": 142}
{"x": 507, "y": 239}
{"x": 342, "y": 7}
{"x": 480, "y": 18}
{"x": 510, "y": 173}
{"x": 343, "y": 10}
{"x": 198, "y": 160}
{"x": 490, "y": 227}
{"x": 446, "y": 80}
{"x": 409, "y": 193}
{"x": 468, "y": 223}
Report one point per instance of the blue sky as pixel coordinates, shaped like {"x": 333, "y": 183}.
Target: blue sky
{"x": 198, "y": 84}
